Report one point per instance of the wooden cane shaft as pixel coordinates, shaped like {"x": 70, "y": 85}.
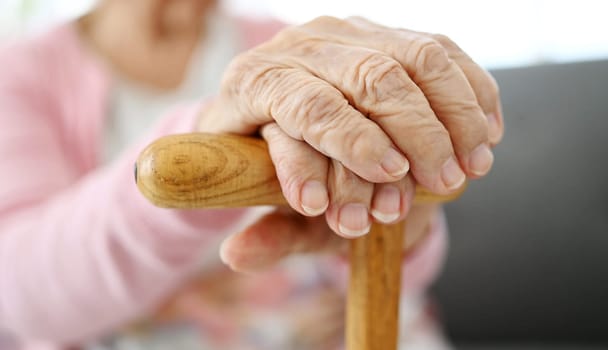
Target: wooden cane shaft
{"x": 372, "y": 305}
{"x": 220, "y": 171}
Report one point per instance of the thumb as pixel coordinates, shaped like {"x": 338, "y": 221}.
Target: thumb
{"x": 276, "y": 236}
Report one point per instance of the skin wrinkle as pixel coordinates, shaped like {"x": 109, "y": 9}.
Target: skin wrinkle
{"x": 242, "y": 82}
{"x": 422, "y": 59}
{"x": 292, "y": 39}
{"x": 308, "y": 108}
{"x": 367, "y": 113}
{"x": 461, "y": 110}
{"x": 284, "y": 163}
{"x": 356, "y": 141}
{"x": 350, "y": 184}
{"x": 360, "y": 108}
{"x": 484, "y": 85}
{"x": 281, "y": 102}
{"x": 395, "y": 79}
{"x": 379, "y": 81}
{"x": 393, "y": 82}
{"x": 430, "y": 57}
{"x": 319, "y": 101}
{"x": 430, "y": 141}
{"x": 368, "y": 24}
{"x": 341, "y": 177}
{"x": 261, "y": 87}
{"x": 361, "y": 145}
{"x": 310, "y": 50}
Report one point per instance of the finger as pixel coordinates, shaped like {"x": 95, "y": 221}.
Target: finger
{"x": 392, "y": 201}
{"x": 442, "y": 81}
{"x": 483, "y": 84}
{"x": 302, "y": 171}
{"x": 274, "y": 237}
{"x": 350, "y": 200}
{"x": 446, "y": 87}
{"x": 378, "y": 86}
{"x": 309, "y": 109}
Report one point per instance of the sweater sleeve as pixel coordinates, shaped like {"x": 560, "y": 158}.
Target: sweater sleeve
{"x": 82, "y": 254}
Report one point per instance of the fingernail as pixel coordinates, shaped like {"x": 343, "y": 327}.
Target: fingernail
{"x": 387, "y": 204}
{"x": 453, "y": 177}
{"x": 395, "y": 164}
{"x": 354, "y": 220}
{"x": 480, "y": 160}
{"x": 314, "y": 198}
{"x": 224, "y": 255}
{"x": 493, "y": 126}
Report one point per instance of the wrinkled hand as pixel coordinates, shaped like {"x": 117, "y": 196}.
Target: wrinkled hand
{"x": 354, "y": 113}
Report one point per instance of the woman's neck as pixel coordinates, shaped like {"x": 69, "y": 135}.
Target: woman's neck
{"x": 148, "y": 44}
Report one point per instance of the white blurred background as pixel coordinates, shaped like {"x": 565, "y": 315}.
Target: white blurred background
{"x": 496, "y": 33}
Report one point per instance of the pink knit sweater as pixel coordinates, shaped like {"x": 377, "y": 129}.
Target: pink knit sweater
{"x": 81, "y": 251}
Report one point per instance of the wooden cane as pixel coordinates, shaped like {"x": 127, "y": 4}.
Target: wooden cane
{"x": 221, "y": 171}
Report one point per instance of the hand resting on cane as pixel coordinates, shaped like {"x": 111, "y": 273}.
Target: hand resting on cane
{"x": 355, "y": 114}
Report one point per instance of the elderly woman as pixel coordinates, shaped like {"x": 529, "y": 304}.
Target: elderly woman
{"x": 354, "y": 114}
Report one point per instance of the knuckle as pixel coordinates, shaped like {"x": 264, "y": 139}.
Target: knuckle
{"x": 283, "y": 165}
{"x": 271, "y": 132}
{"x": 468, "y": 111}
{"x": 467, "y": 124}
{"x": 348, "y": 186}
{"x": 329, "y": 133}
{"x": 351, "y": 143}
{"x": 291, "y": 173}
{"x": 445, "y": 41}
{"x": 247, "y": 73}
{"x": 236, "y": 69}
{"x": 291, "y": 183}
{"x": 431, "y": 56}
{"x": 325, "y": 21}
{"x": 342, "y": 137}
{"x": 432, "y": 142}
{"x": 267, "y": 86}
{"x": 380, "y": 79}
{"x": 316, "y": 105}
{"x": 285, "y": 38}
{"x": 362, "y": 144}
{"x": 454, "y": 51}
{"x": 355, "y": 136}
{"x": 356, "y": 19}
{"x": 307, "y": 108}
{"x": 362, "y": 23}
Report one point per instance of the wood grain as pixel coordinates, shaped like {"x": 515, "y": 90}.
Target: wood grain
{"x": 208, "y": 171}
{"x": 372, "y": 309}
{"x": 217, "y": 171}
{"x": 220, "y": 171}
